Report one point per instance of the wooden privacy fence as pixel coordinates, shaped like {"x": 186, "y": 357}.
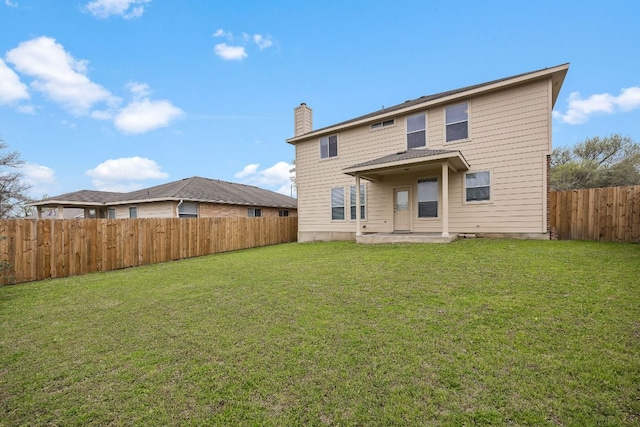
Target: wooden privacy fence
{"x": 43, "y": 248}
{"x": 606, "y": 214}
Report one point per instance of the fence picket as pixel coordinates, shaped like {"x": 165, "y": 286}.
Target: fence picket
{"x": 606, "y": 214}
{"x": 39, "y": 249}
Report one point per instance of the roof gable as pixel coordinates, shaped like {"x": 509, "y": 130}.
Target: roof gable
{"x": 556, "y": 73}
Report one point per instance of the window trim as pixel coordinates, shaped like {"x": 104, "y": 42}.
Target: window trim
{"x": 254, "y": 212}
{"x": 186, "y": 214}
{"x": 363, "y": 206}
{"x": 328, "y": 139}
{"x": 428, "y": 218}
{"x": 331, "y": 207}
{"x": 464, "y": 184}
{"x": 444, "y": 115}
{"x": 111, "y": 209}
{"x": 426, "y": 126}
{"x": 136, "y": 210}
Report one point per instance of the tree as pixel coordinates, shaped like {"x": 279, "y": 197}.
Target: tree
{"x": 12, "y": 188}
{"x": 596, "y": 162}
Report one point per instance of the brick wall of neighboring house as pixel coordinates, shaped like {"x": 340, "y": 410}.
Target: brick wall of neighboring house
{"x": 210, "y": 210}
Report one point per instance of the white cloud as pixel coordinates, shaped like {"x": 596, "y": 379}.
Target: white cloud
{"x": 248, "y": 170}
{"x": 238, "y": 50}
{"x": 58, "y": 75}
{"x": 138, "y": 90}
{"x": 581, "y": 109}
{"x": 11, "y": 88}
{"x": 41, "y": 179}
{"x": 629, "y": 99}
{"x": 128, "y": 9}
{"x": 37, "y": 174}
{"x": 144, "y": 115}
{"x": 63, "y": 79}
{"x": 11, "y": 3}
{"x": 277, "y": 177}
{"x": 230, "y": 53}
{"x": 26, "y": 109}
{"x": 262, "y": 42}
{"x": 125, "y": 174}
{"x": 222, "y": 33}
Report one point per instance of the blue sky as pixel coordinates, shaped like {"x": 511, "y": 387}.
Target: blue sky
{"x": 118, "y": 95}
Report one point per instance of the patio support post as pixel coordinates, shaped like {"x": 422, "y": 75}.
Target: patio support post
{"x": 358, "y": 228}
{"x": 445, "y": 199}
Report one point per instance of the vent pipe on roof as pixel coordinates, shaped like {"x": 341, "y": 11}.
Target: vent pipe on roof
{"x": 303, "y": 120}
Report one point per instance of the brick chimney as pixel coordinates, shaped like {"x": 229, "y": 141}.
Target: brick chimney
{"x": 303, "y": 122}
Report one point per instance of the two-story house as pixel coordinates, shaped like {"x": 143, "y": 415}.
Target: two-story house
{"x": 473, "y": 160}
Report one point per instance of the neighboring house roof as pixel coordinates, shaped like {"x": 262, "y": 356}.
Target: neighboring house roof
{"x": 557, "y": 73}
{"x": 195, "y": 189}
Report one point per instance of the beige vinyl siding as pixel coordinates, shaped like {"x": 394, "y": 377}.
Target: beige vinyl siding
{"x": 509, "y": 136}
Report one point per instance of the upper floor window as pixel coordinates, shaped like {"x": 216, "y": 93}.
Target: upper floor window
{"x": 352, "y": 201}
{"x": 457, "y": 122}
{"x": 328, "y": 146}
{"x": 416, "y": 131}
{"x": 477, "y": 186}
{"x": 428, "y": 198}
{"x": 188, "y": 210}
{"x": 337, "y": 203}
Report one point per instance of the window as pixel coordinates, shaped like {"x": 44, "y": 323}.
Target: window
{"x": 383, "y": 124}
{"x": 283, "y": 213}
{"x": 255, "y": 212}
{"x": 337, "y": 203}
{"x": 478, "y": 186}
{"x": 457, "y": 122}
{"x": 352, "y": 201}
{"x": 133, "y": 212}
{"x": 328, "y": 146}
{"x": 416, "y": 131}
{"x": 111, "y": 213}
{"x": 428, "y": 198}
{"x": 188, "y": 210}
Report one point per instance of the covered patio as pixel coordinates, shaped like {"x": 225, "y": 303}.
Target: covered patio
{"x": 407, "y": 162}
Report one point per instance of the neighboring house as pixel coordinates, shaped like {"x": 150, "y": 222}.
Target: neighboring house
{"x": 187, "y": 198}
{"x": 472, "y": 160}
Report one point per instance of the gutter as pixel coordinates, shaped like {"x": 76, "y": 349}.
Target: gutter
{"x": 178, "y": 208}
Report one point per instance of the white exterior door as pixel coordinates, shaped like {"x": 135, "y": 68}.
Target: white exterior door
{"x": 401, "y": 209}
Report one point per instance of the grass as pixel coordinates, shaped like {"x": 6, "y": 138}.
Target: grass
{"x": 479, "y": 332}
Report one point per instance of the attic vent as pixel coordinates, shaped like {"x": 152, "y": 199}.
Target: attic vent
{"x": 383, "y": 124}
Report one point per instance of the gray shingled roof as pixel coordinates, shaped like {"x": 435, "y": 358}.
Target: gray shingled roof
{"x": 189, "y": 189}
{"x": 402, "y": 155}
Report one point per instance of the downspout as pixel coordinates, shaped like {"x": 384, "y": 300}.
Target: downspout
{"x": 178, "y": 208}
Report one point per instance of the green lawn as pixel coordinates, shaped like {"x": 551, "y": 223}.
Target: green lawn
{"x": 478, "y": 332}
